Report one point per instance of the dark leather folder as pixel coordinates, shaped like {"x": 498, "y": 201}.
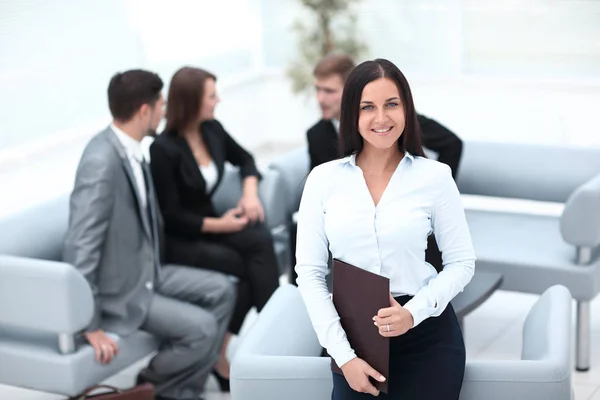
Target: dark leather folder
{"x": 357, "y": 296}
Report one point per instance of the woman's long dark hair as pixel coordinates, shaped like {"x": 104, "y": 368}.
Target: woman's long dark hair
{"x": 351, "y": 141}
{"x": 186, "y": 92}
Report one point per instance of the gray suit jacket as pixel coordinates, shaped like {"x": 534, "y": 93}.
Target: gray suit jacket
{"x": 110, "y": 237}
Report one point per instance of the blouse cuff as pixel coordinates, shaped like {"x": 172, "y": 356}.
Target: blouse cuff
{"x": 342, "y": 353}
{"x": 419, "y": 310}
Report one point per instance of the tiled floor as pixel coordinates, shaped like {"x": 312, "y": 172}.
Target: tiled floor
{"x": 493, "y": 331}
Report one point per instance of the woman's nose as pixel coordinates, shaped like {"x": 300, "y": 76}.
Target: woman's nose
{"x": 381, "y": 116}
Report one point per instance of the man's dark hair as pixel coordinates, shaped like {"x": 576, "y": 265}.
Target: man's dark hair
{"x": 334, "y": 64}
{"x": 129, "y": 90}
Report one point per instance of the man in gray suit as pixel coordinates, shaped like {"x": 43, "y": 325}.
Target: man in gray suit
{"x": 114, "y": 240}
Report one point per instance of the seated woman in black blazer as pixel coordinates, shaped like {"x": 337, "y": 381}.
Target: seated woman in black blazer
{"x": 187, "y": 162}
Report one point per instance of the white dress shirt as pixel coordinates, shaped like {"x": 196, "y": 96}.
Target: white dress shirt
{"x": 135, "y": 155}
{"x": 336, "y": 125}
{"x": 337, "y": 213}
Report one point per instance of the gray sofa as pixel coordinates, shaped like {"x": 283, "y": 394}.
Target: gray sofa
{"x": 280, "y": 356}
{"x": 46, "y": 303}
{"x": 532, "y": 252}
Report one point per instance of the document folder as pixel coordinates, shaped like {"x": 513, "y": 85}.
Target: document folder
{"x": 357, "y": 296}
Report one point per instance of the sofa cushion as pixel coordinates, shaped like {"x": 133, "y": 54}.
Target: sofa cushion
{"x": 525, "y": 171}
{"x": 26, "y": 355}
{"x": 529, "y": 252}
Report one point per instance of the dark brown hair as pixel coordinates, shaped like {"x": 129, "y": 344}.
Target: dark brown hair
{"x": 129, "y": 90}
{"x": 369, "y": 71}
{"x": 334, "y": 64}
{"x": 186, "y": 92}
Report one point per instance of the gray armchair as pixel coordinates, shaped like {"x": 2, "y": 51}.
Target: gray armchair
{"x": 545, "y": 368}
{"x": 534, "y": 252}
{"x": 280, "y": 356}
{"x": 46, "y": 302}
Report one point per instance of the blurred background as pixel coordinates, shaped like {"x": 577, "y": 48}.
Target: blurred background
{"x": 501, "y": 70}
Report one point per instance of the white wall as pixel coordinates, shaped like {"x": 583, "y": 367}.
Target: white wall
{"x": 56, "y": 58}
{"x": 526, "y": 38}
{"x": 509, "y": 70}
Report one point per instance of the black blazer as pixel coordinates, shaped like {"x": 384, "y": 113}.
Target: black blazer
{"x": 323, "y": 143}
{"x": 180, "y": 186}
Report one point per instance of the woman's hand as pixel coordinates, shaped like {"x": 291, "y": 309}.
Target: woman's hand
{"x": 394, "y": 320}
{"x": 357, "y": 372}
{"x": 252, "y": 208}
{"x": 233, "y": 221}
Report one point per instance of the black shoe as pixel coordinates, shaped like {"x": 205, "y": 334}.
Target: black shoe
{"x": 139, "y": 380}
{"x": 223, "y": 382}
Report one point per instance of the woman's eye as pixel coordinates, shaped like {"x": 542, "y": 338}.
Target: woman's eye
{"x": 367, "y": 108}
{"x": 391, "y": 105}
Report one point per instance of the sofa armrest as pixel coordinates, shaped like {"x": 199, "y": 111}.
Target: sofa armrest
{"x": 274, "y": 199}
{"x": 283, "y": 328}
{"x": 270, "y": 190}
{"x": 293, "y": 167}
{"x": 580, "y": 220}
{"x": 279, "y": 356}
{"x": 276, "y": 377}
{"x": 514, "y": 380}
{"x": 43, "y": 295}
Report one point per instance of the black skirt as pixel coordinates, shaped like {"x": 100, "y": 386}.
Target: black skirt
{"x": 426, "y": 363}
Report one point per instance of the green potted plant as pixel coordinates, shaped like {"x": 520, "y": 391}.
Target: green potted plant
{"x": 332, "y": 30}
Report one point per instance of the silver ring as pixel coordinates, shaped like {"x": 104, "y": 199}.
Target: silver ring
{"x": 388, "y": 327}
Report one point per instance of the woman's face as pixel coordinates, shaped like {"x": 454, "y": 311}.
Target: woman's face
{"x": 209, "y": 101}
{"x": 381, "y": 119}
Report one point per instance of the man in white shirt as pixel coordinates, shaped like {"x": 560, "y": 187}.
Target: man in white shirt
{"x": 114, "y": 241}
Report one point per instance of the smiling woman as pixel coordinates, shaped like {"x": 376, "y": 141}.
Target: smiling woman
{"x": 375, "y": 209}
{"x": 379, "y": 110}
{"x": 380, "y": 114}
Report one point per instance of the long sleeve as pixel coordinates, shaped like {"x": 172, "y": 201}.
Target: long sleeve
{"x": 316, "y": 150}
{"x": 322, "y": 143}
{"x": 238, "y": 156}
{"x": 452, "y": 234}
{"x": 312, "y": 257}
{"x": 443, "y": 141}
{"x": 177, "y": 219}
{"x": 91, "y": 205}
